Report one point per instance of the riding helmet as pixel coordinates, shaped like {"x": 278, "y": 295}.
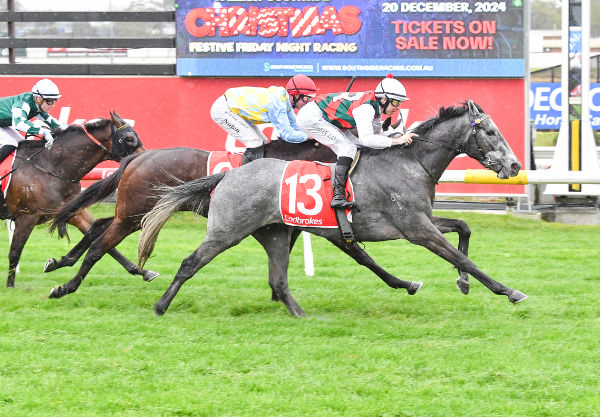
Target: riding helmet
{"x": 46, "y": 89}
{"x": 301, "y": 85}
{"x": 392, "y": 89}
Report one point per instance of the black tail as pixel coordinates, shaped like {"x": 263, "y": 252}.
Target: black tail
{"x": 93, "y": 194}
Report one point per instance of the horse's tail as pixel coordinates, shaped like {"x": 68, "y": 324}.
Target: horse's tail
{"x": 91, "y": 195}
{"x": 193, "y": 195}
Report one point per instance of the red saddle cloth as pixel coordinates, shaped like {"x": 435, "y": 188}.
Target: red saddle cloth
{"x": 305, "y": 194}
{"x": 5, "y": 168}
{"x": 220, "y": 161}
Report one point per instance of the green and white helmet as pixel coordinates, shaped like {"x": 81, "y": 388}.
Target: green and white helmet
{"x": 392, "y": 89}
{"x": 46, "y": 89}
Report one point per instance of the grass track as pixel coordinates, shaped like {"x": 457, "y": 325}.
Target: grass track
{"x": 224, "y": 349}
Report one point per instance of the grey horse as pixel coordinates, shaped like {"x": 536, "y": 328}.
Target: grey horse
{"x": 394, "y": 189}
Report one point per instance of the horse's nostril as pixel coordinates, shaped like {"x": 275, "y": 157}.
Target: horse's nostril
{"x": 516, "y": 166}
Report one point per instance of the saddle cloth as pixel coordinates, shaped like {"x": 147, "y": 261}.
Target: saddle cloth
{"x": 219, "y": 161}
{"x": 5, "y": 168}
{"x": 305, "y": 194}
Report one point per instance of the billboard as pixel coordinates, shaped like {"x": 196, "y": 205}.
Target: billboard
{"x": 545, "y": 101}
{"x": 350, "y": 37}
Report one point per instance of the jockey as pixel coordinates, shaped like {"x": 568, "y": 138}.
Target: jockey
{"x": 240, "y": 109}
{"x": 15, "y": 114}
{"x": 344, "y": 121}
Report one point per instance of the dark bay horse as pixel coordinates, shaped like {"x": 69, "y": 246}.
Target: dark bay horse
{"x": 138, "y": 180}
{"x": 44, "y": 179}
{"x": 394, "y": 189}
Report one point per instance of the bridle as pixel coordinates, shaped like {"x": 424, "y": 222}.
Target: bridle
{"x": 456, "y": 150}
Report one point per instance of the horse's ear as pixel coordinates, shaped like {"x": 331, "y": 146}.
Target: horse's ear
{"x": 472, "y": 107}
{"x": 117, "y": 120}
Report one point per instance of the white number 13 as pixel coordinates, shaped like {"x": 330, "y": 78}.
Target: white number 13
{"x": 292, "y": 182}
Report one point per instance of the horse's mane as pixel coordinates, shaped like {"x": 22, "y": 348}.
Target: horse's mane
{"x": 91, "y": 125}
{"x": 59, "y": 131}
{"x": 445, "y": 113}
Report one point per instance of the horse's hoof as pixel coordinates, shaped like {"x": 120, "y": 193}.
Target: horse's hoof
{"x": 158, "y": 310}
{"x": 56, "y": 292}
{"x": 150, "y": 275}
{"x": 414, "y": 287}
{"x": 516, "y": 297}
{"x": 462, "y": 285}
{"x": 50, "y": 265}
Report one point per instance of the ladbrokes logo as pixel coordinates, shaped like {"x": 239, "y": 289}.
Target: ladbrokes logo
{"x": 270, "y": 21}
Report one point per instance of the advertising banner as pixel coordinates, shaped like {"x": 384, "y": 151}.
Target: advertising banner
{"x": 350, "y": 37}
{"x": 174, "y": 111}
{"x": 545, "y": 105}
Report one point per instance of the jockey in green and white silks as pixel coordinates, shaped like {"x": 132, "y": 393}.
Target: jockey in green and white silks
{"x": 240, "y": 109}
{"x": 331, "y": 120}
{"x": 15, "y": 114}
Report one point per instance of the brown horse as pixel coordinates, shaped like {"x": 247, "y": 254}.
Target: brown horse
{"x": 43, "y": 179}
{"x": 139, "y": 179}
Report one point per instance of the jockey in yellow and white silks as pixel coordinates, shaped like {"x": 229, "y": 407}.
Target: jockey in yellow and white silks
{"x": 240, "y": 109}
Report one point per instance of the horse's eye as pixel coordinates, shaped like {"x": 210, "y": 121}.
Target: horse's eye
{"x": 491, "y": 132}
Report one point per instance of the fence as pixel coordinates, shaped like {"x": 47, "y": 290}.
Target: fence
{"x": 552, "y": 74}
{"x": 12, "y": 42}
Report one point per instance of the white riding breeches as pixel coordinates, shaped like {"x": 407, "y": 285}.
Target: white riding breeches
{"x": 311, "y": 121}
{"x": 10, "y": 136}
{"x": 234, "y": 124}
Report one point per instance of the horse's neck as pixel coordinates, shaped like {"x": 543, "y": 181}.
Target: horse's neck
{"x": 77, "y": 155}
{"x": 438, "y": 149}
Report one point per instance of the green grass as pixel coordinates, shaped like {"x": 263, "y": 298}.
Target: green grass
{"x": 224, "y": 349}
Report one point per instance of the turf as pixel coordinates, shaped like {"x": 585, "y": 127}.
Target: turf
{"x": 224, "y": 349}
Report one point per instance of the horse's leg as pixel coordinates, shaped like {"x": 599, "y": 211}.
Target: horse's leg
{"x": 205, "y": 253}
{"x": 362, "y": 257}
{"x": 98, "y": 227}
{"x": 24, "y": 225}
{"x": 276, "y": 239}
{"x": 294, "y": 237}
{"x": 427, "y": 235}
{"x": 446, "y": 225}
{"x": 83, "y": 220}
{"x": 116, "y": 232}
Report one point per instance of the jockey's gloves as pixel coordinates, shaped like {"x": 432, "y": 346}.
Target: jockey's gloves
{"x": 48, "y": 137}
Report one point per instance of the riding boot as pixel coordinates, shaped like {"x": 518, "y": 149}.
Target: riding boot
{"x": 253, "y": 153}
{"x": 4, "y": 152}
{"x": 339, "y": 183}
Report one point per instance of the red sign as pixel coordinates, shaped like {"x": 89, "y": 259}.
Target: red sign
{"x": 171, "y": 111}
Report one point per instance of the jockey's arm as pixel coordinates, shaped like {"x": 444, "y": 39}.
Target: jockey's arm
{"x": 20, "y": 122}
{"x": 364, "y": 116}
{"x": 283, "y": 118}
{"x": 48, "y": 119}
